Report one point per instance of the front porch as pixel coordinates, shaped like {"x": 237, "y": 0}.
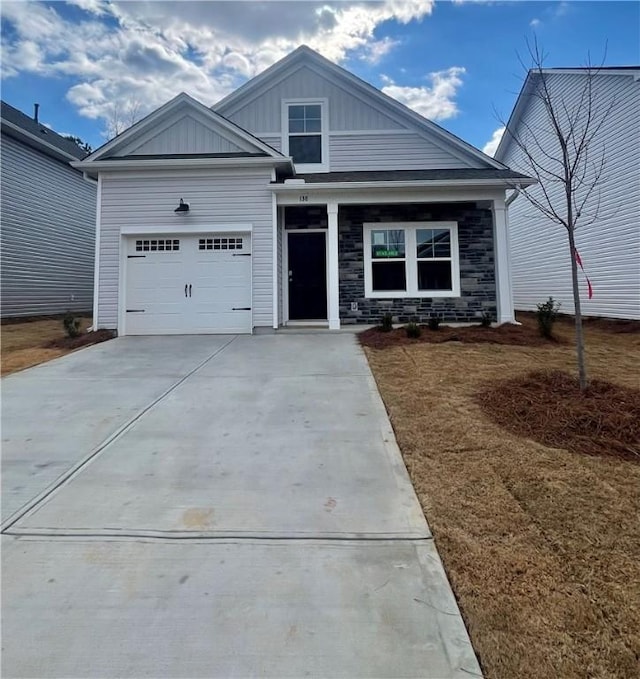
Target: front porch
{"x": 325, "y": 277}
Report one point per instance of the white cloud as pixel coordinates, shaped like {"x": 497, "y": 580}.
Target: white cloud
{"x": 375, "y": 51}
{"x": 436, "y": 101}
{"x": 535, "y": 23}
{"x": 492, "y": 145}
{"x": 118, "y": 51}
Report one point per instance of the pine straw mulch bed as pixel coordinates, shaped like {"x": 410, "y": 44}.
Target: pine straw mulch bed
{"x": 517, "y": 335}
{"x": 82, "y": 340}
{"x": 541, "y": 543}
{"x": 548, "y": 407}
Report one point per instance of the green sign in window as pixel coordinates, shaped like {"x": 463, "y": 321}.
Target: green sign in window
{"x": 387, "y": 253}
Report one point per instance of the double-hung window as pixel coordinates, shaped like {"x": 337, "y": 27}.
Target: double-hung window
{"x": 411, "y": 259}
{"x": 304, "y": 139}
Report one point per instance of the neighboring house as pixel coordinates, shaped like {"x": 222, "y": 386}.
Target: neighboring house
{"x": 48, "y": 221}
{"x": 305, "y": 197}
{"x": 610, "y": 247}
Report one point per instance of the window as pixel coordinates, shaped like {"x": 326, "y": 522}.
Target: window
{"x": 304, "y": 124}
{"x": 411, "y": 260}
{"x": 388, "y": 260}
{"x": 157, "y": 245}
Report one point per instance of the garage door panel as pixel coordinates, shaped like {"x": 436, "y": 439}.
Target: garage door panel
{"x": 216, "y": 271}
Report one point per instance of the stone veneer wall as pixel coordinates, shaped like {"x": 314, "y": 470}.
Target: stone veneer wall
{"x": 477, "y": 275}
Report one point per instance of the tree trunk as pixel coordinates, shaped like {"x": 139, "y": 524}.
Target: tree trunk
{"x": 582, "y": 371}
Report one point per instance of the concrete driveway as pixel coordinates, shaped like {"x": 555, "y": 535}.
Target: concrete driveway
{"x": 215, "y": 507}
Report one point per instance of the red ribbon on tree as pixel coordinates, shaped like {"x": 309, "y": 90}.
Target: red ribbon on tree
{"x": 585, "y": 274}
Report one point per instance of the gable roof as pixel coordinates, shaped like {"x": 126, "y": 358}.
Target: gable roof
{"x": 305, "y": 56}
{"x": 149, "y": 126}
{"x": 528, "y": 88}
{"x": 18, "y": 124}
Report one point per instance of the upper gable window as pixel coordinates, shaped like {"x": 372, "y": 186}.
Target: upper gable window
{"x": 304, "y": 125}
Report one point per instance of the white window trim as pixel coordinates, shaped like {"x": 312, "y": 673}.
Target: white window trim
{"x": 324, "y": 133}
{"x": 411, "y": 260}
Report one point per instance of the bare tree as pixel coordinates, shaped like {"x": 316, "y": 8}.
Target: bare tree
{"x": 562, "y": 151}
{"x": 122, "y": 116}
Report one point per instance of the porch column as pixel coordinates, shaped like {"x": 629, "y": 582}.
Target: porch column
{"x": 333, "y": 284}
{"x": 503, "y": 263}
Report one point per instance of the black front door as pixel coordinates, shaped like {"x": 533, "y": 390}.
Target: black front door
{"x": 307, "y": 275}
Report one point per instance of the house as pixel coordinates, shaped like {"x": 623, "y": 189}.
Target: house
{"x": 306, "y": 196}
{"x": 48, "y": 214}
{"x": 609, "y": 248}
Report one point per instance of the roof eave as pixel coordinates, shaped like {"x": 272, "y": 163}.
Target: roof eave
{"x": 49, "y": 149}
{"x": 94, "y": 167}
{"x": 501, "y": 184}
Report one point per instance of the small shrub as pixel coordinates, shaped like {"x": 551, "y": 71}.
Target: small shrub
{"x": 546, "y": 316}
{"x": 433, "y": 323}
{"x": 413, "y": 330}
{"x": 486, "y": 320}
{"x": 386, "y": 323}
{"x": 71, "y": 325}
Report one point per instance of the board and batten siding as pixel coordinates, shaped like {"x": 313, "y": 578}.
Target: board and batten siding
{"x": 186, "y": 135}
{"x": 364, "y": 132}
{"x": 609, "y": 247}
{"x": 263, "y": 113}
{"x": 216, "y": 197}
{"x": 48, "y": 234}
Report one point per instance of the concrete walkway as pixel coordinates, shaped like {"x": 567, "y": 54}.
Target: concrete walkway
{"x": 215, "y": 507}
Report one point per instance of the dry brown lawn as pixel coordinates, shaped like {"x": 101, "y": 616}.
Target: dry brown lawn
{"x": 26, "y": 343}
{"x": 542, "y": 545}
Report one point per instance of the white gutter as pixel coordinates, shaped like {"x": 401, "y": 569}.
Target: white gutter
{"x": 421, "y": 183}
{"x": 177, "y": 163}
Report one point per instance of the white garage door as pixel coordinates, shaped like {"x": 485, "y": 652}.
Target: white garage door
{"x": 188, "y": 284}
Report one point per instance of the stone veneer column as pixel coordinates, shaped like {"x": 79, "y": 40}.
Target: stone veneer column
{"x": 333, "y": 282}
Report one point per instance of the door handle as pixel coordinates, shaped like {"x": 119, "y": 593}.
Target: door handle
{"x": 185, "y": 289}
{"x": 189, "y": 289}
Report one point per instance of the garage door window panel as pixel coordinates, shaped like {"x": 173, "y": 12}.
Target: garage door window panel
{"x": 157, "y": 245}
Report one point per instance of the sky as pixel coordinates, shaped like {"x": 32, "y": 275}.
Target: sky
{"x": 459, "y": 63}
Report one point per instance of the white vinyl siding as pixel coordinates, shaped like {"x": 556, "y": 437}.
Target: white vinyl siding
{"x": 216, "y": 197}
{"x": 610, "y": 247}
{"x": 389, "y": 151}
{"x": 48, "y": 234}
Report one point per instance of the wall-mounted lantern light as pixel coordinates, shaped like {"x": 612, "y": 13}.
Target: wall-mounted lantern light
{"x": 183, "y": 207}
